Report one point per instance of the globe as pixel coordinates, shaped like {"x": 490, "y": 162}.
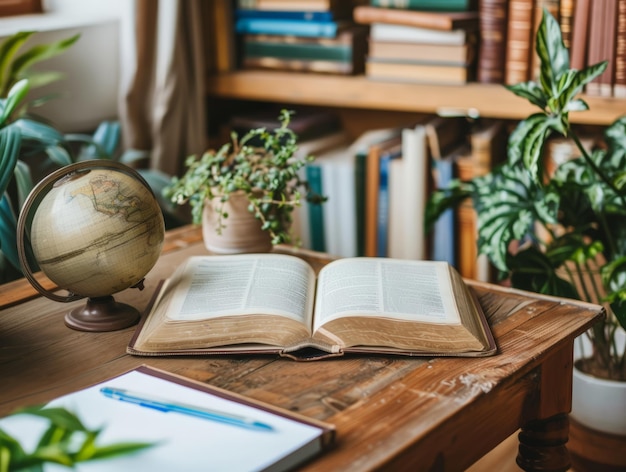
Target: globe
{"x": 96, "y": 229}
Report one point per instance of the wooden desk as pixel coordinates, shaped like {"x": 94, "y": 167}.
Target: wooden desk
{"x": 390, "y": 412}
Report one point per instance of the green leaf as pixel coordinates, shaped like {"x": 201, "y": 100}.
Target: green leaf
{"x": 60, "y": 417}
{"x": 8, "y": 50}
{"x": 41, "y": 52}
{"x": 59, "y": 155}
{"x": 441, "y": 200}
{"x": 119, "y": 449}
{"x": 527, "y": 140}
{"x": 552, "y": 52}
{"x": 15, "y": 96}
{"x": 8, "y": 232}
{"x": 23, "y": 180}
{"x": 615, "y": 134}
{"x": 108, "y": 135}
{"x": 578, "y": 80}
{"x": 10, "y": 145}
{"x": 530, "y": 91}
{"x": 532, "y": 270}
{"x": 37, "y": 131}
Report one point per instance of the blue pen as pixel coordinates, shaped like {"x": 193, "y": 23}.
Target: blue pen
{"x": 190, "y": 410}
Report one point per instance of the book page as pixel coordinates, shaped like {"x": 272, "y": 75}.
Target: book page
{"x": 403, "y": 290}
{"x": 183, "y": 441}
{"x": 210, "y": 287}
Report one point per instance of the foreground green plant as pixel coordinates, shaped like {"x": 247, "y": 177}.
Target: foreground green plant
{"x": 66, "y": 441}
{"x": 23, "y": 136}
{"x": 562, "y": 234}
{"x": 262, "y": 165}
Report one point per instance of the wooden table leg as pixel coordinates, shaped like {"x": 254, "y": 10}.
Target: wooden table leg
{"x": 543, "y": 438}
{"x": 542, "y": 445}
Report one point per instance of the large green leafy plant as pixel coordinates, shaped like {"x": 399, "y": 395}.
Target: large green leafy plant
{"x": 562, "y": 234}
{"x": 23, "y": 135}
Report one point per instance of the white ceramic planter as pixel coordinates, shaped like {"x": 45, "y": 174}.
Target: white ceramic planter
{"x": 599, "y": 404}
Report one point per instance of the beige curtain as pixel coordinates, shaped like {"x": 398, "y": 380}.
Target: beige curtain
{"x": 162, "y": 109}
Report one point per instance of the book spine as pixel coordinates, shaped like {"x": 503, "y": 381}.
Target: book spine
{"x": 286, "y": 27}
{"x": 397, "y": 210}
{"x": 440, "y": 5}
{"x": 519, "y": 41}
{"x": 580, "y": 34}
{"x": 596, "y": 40}
{"x": 434, "y": 20}
{"x": 413, "y": 34}
{"x": 322, "y": 67}
{"x": 339, "y": 8}
{"x": 332, "y": 222}
{"x": 463, "y": 54}
{"x": 417, "y": 169}
{"x": 359, "y": 190}
{"x": 316, "y": 212}
{"x": 444, "y": 231}
{"x": 383, "y": 208}
{"x": 452, "y": 74}
{"x": 619, "y": 90}
{"x": 323, "y": 16}
{"x": 492, "y": 49}
{"x": 222, "y": 36}
{"x": 382, "y": 228}
{"x": 297, "y": 51}
{"x": 566, "y": 18}
{"x": 607, "y": 78}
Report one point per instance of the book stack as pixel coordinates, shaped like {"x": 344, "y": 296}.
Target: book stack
{"x": 599, "y": 34}
{"x": 420, "y": 40}
{"x": 305, "y": 36}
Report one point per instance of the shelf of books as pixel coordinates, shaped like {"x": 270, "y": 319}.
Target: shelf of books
{"x": 486, "y": 100}
{"x": 400, "y": 75}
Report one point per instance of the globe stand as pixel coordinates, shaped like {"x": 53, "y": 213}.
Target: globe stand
{"x": 115, "y": 191}
{"x": 102, "y": 314}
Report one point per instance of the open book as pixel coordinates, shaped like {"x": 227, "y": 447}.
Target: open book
{"x": 274, "y": 303}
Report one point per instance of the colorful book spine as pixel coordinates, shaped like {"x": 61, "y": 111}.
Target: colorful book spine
{"x": 311, "y": 29}
{"x": 492, "y": 51}
{"x": 414, "y": 34}
{"x": 444, "y": 243}
{"x": 437, "y": 20}
{"x": 382, "y": 231}
{"x": 619, "y": 90}
{"x": 566, "y": 18}
{"x": 519, "y": 41}
{"x": 596, "y": 40}
{"x": 323, "y": 16}
{"x": 316, "y": 212}
{"x": 580, "y": 34}
{"x": 359, "y": 191}
{"x": 441, "y": 5}
{"x": 290, "y": 50}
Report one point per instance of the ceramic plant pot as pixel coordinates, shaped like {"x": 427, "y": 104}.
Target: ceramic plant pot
{"x": 598, "y": 403}
{"x": 242, "y": 234}
{"x": 597, "y": 439}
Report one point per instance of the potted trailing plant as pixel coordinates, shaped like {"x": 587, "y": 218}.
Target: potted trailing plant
{"x": 252, "y": 184}
{"x": 562, "y": 233}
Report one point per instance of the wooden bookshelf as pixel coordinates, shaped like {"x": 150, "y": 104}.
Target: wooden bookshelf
{"x": 493, "y": 101}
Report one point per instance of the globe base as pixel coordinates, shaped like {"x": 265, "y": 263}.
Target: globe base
{"x": 102, "y": 314}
